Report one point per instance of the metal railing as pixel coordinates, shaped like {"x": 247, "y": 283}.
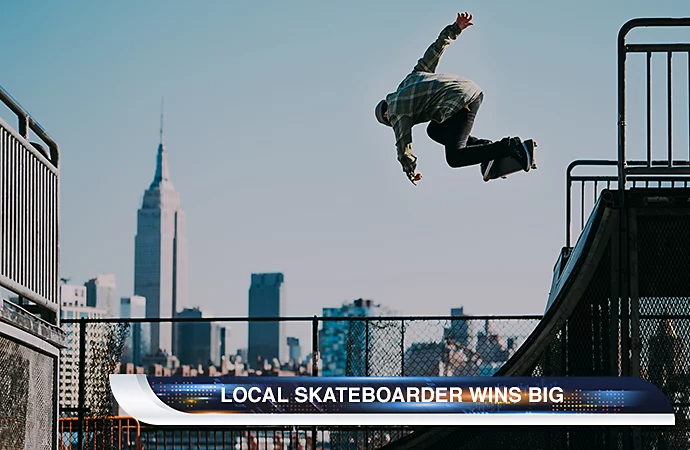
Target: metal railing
{"x": 29, "y": 212}
{"x": 670, "y": 166}
{"x": 583, "y": 190}
{"x": 126, "y": 433}
{"x": 652, "y": 171}
{"x": 340, "y": 346}
{"x": 113, "y": 433}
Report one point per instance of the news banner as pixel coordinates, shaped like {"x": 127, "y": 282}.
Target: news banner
{"x": 306, "y": 401}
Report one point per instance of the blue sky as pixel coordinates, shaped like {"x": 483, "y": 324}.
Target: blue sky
{"x": 280, "y": 163}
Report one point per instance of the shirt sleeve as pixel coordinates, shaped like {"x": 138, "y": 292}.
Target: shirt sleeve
{"x": 429, "y": 61}
{"x": 403, "y": 144}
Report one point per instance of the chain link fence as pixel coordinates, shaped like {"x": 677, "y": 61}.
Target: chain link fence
{"x": 102, "y": 352}
{"x": 93, "y": 352}
{"x": 353, "y": 346}
{"x": 608, "y": 334}
{"x": 664, "y": 291}
{"x": 580, "y": 347}
{"x": 457, "y": 347}
{"x": 26, "y": 393}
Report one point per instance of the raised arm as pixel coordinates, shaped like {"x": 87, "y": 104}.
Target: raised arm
{"x": 429, "y": 61}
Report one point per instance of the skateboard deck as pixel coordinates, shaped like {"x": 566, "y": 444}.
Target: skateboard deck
{"x": 501, "y": 168}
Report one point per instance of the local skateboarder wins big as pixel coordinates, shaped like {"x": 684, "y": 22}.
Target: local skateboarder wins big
{"x": 450, "y": 103}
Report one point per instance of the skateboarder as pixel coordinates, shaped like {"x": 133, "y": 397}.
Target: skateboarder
{"x": 450, "y": 103}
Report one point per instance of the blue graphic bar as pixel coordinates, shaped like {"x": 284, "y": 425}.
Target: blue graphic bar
{"x": 403, "y": 398}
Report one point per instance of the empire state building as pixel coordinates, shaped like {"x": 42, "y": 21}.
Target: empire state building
{"x": 160, "y": 253}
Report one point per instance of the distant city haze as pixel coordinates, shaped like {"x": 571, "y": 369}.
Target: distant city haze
{"x": 280, "y": 164}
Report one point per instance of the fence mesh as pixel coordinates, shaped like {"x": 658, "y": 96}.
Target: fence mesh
{"x": 27, "y": 393}
{"x": 102, "y": 356}
{"x": 579, "y": 348}
{"x": 596, "y": 339}
{"x": 431, "y": 348}
{"x": 462, "y": 346}
{"x": 664, "y": 290}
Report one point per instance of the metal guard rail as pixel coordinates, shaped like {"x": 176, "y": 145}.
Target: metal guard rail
{"x": 26, "y": 123}
{"x": 29, "y": 213}
{"x": 622, "y": 50}
{"x": 681, "y": 175}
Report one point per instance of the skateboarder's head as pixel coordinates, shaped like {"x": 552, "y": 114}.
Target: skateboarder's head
{"x": 382, "y": 113}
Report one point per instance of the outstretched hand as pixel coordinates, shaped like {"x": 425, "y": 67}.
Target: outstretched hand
{"x": 464, "y": 20}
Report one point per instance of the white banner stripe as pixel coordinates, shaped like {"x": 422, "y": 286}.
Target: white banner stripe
{"x": 135, "y": 396}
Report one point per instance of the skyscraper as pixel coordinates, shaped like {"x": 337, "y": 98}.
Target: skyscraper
{"x": 267, "y": 340}
{"x": 224, "y": 350}
{"x": 101, "y": 293}
{"x": 343, "y": 344}
{"x": 137, "y": 345}
{"x": 160, "y": 254}
{"x": 198, "y": 342}
{"x": 295, "y": 356}
{"x": 459, "y": 330}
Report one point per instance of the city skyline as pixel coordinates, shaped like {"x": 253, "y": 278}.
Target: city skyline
{"x": 277, "y": 185}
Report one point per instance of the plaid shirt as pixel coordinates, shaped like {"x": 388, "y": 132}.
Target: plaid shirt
{"x": 424, "y": 96}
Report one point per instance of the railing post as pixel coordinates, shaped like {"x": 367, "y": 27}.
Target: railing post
{"x": 622, "y": 157}
{"x": 366, "y": 348}
{"x": 315, "y": 347}
{"x": 82, "y": 381}
{"x": 315, "y": 364}
{"x": 402, "y": 348}
{"x": 568, "y": 206}
{"x": 669, "y": 107}
{"x": 24, "y": 126}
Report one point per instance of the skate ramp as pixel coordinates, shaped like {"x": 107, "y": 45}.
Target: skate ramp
{"x": 574, "y": 273}
{"x": 592, "y": 327}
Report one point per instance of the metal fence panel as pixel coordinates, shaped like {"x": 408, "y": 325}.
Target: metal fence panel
{"x": 664, "y": 290}
{"x": 28, "y": 220}
{"x": 370, "y": 346}
{"x": 26, "y": 397}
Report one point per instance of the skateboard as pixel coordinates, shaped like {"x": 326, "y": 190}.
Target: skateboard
{"x": 501, "y": 168}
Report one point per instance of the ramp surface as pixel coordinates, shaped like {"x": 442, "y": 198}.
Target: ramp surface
{"x": 571, "y": 280}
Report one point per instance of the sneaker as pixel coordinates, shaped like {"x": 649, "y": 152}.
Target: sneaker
{"x": 522, "y": 153}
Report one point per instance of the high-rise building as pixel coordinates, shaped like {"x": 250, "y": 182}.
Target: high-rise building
{"x": 101, "y": 293}
{"x": 459, "y": 330}
{"x": 343, "y": 344}
{"x": 72, "y": 296}
{"x": 138, "y": 344}
{"x": 73, "y": 299}
{"x": 266, "y": 339}
{"x": 295, "y": 351}
{"x": 198, "y": 342}
{"x": 216, "y": 346}
{"x": 225, "y": 352}
{"x": 492, "y": 349}
{"x": 160, "y": 255}
{"x": 423, "y": 359}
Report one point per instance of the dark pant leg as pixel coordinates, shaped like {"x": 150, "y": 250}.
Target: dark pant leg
{"x": 446, "y": 133}
{"x": 462, "y": 149}
{"x": 473, "y": 140}
{"x": 432, "y": 130}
